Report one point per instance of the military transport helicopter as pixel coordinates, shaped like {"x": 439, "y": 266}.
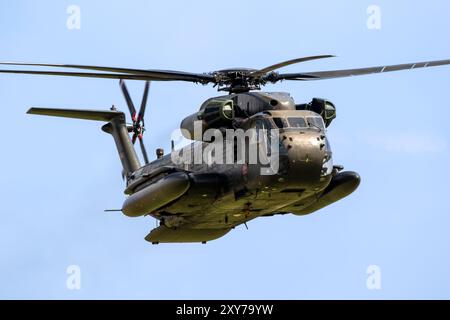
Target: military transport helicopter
{"x": 200, "y": 202}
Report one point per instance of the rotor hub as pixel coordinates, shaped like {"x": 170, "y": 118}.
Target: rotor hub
{"x": 239, "y": 80}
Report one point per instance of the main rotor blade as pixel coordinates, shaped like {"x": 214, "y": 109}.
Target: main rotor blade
{"x": 144, "y": 102}
{"x": 127, "y": 97}
{"x": 289, "y": 62}
{"x": 82, "y": 74}
{"x": 144, "y": 151}
{"x": 160, "y": 75}
{"x": 359, "y": 72}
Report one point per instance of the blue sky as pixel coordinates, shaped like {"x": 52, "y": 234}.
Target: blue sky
{"x": 59, "y": 175}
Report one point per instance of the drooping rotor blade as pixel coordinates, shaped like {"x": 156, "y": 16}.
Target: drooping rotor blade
{"x": 144, "y": 102}
{"x": 127, "y": 97}
{"x": 289, "y": 62}
{"x": 159, "y": 75}
{"x": 144, "y": 151}
{"x": 359, "y": 72}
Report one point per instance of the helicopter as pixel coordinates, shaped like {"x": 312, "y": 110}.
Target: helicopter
{"x": 199, "y": 201}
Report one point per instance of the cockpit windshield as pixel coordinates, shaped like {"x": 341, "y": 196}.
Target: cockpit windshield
{"x": 299, "y": 122}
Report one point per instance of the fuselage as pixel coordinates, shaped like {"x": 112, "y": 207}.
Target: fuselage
{"x": 256, "y": 154}
{"x": 219, "y": 195}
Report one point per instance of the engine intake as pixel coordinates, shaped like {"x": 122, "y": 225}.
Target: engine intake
{"x": 215, "y": 113}
{"x": 325, "y": 108}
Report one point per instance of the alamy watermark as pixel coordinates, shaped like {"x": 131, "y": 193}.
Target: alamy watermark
{"x": 73, "y": 281}
{"x": 374, "y": 19}
{"x": 231, "y": 146}
{"x": 74, "y": 19}
{"x": 373, "y": 281}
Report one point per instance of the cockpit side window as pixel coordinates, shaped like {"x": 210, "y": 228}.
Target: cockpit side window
{"x": 279, "y": 122}
{"x": 316, "y": 122}
{"x": 297, "y": 122}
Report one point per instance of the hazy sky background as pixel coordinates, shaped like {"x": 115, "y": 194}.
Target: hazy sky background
{"x": 59, "y": 175}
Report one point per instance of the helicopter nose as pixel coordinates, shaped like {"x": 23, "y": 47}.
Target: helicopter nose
{"x": 306, "y": 153}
